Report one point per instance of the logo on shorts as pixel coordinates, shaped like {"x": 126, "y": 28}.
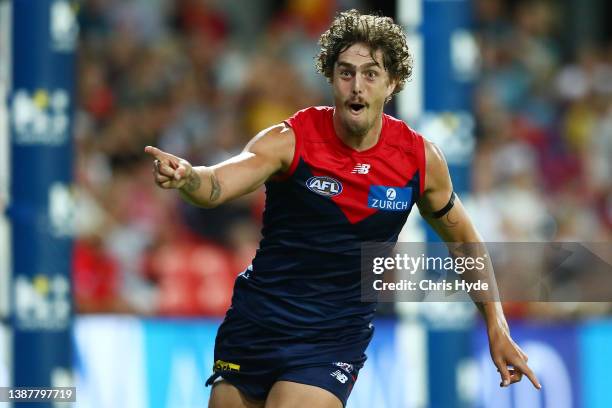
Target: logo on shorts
{"x": 345, "y": 366}
{"x": 221, "y": 365}
{"x": 325, "y": 186}
{"x": 339, "y": 376}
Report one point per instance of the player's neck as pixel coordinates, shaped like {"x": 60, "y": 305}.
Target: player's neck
{"x": 359, "y": 142}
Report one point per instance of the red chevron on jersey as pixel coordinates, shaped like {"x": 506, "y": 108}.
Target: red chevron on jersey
{"x": 350, "y": 175}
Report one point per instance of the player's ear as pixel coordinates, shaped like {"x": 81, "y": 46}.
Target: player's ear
{"x": 391, "y": 87}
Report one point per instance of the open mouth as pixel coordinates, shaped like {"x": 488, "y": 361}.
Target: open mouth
{"x": 356, "y": 107}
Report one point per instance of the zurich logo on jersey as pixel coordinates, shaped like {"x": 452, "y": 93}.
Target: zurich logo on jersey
{"x": 390, "y": 198}
{"x": 325, "y": 186}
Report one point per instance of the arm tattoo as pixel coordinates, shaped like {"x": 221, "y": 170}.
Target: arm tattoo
{"x": 448, "y": 222}
{"x": 193, "y": 182}
{"x": 444, "y": 213}
{"x": 215, "y": 188}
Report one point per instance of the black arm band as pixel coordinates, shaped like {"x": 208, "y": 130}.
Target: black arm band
{"x": 447, "y": 207}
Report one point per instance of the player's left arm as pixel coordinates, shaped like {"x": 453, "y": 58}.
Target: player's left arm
{"x": 443, "y": 210}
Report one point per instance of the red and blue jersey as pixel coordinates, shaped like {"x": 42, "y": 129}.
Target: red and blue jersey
{"x": 305, "y": 277}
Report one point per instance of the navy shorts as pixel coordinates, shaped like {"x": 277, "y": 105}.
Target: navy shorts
{"x": 252, "y": 358}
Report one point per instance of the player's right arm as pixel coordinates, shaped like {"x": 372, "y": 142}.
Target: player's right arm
{"x": 269, "y": 153}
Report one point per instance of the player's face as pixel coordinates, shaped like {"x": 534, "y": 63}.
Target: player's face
{"x": 361, "y": 84}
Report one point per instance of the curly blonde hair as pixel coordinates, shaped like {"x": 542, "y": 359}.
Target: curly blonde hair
{"x": 378, "y": 32}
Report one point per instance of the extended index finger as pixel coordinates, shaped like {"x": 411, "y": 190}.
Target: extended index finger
{"x": 524, "y": 368}
{"x": 157, "y": 153}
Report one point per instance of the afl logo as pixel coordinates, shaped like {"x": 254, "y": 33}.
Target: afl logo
{"x": 325, "y": 186}
{"x": 391, "y": 194}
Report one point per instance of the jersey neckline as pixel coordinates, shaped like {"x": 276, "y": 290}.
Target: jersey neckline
{"x": 348, "y": 149}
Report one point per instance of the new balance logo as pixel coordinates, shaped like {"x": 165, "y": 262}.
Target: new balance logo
{"x": 345, "y": 366}
{"x": 361, "y": 168}
{"x": 339, "y": 376}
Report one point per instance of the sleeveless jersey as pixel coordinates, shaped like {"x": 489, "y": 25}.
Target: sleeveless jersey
{"x": 305, "y": 278}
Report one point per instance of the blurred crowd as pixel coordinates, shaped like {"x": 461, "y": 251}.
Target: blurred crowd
{"x": 199, "y": 78}
{"x": 544, "y": 139}
{"x": 543, "y": 165}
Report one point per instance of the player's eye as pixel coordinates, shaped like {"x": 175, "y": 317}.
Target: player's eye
{"x": 345, "y": 74}
{"x": 371, "y": 74}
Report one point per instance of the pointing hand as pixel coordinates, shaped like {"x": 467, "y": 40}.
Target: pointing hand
{"x": 169, "y": 171}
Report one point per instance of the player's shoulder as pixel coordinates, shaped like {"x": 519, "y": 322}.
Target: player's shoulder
{"x": 311, "y": 113}
{"x": 274, "y": 140}
{"x": 316, "y": 110}
{"x": 403, "y": 134}
{"x": 312, "y": 124}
